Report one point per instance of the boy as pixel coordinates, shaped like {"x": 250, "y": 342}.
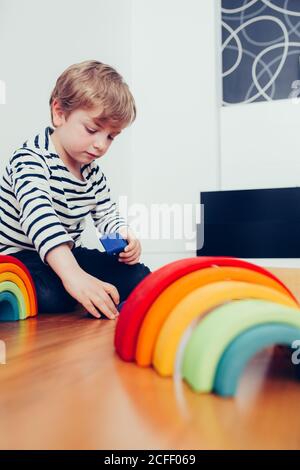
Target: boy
{"x": 53, "y": 181}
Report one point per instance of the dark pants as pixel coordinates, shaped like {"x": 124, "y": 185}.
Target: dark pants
{"x": 51, "y": 294}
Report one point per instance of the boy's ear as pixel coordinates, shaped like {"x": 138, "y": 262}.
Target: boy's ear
{"x": 57, "y": 113}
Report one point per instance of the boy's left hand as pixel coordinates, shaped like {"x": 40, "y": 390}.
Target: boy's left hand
{"x": 132, "y": 251}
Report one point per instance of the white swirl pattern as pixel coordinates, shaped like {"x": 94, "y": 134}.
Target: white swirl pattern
{"x": 248, "y": 36}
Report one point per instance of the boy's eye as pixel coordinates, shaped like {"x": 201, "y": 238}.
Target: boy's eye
{"x": 90, "y": 131}
{"x": 93, "y": 131}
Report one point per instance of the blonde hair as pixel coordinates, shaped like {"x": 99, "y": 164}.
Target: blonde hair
{"x": 91, "y": 83}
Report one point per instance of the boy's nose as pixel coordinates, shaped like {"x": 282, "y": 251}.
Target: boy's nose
{"x": 100, "y": 145}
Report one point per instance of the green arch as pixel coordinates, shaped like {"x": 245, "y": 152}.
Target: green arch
{"x": 8, "y": 286}
{"x": 213, "y": 334}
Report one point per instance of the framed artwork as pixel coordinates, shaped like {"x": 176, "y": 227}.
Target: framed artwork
{"x": 260, "y": 50}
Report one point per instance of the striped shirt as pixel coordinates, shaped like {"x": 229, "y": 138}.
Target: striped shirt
{"x": 42, "y": 204}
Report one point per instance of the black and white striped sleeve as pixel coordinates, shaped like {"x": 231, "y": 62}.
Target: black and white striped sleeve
{"x": 106, "y": 215}
{"x": 38, "y": 219}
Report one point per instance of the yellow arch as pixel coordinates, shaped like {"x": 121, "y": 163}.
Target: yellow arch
{"x": 15, "y": 279}
{"x": 14, "y": 289}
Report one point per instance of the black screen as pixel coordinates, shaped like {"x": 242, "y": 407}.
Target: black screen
{"x": 256, "y": 223}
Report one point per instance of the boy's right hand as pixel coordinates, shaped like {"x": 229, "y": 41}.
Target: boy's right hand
{"x": 93, "y": 294}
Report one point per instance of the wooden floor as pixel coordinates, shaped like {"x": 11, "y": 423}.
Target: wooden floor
{"x": 63, "y": 387}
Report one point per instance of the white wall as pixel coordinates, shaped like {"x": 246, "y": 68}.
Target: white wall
{"x": 260, "y": 149}
{"x": 38, "y": 40}
{"x": 175, "y": 81}
{"x": 260, "y": 145}
{"x": 168, "y": 52}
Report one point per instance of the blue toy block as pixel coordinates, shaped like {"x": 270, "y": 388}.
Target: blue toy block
{"x": 103, "y": 317}
{"x": 121, "y": 305}
{"x": 113, "y": 243}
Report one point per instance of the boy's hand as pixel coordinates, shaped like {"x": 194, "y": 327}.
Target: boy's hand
{"x": 93, "y": 294}
{"x": 132, "y": 251}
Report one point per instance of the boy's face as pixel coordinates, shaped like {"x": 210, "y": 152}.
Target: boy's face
{"x": 80, "y": 137}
